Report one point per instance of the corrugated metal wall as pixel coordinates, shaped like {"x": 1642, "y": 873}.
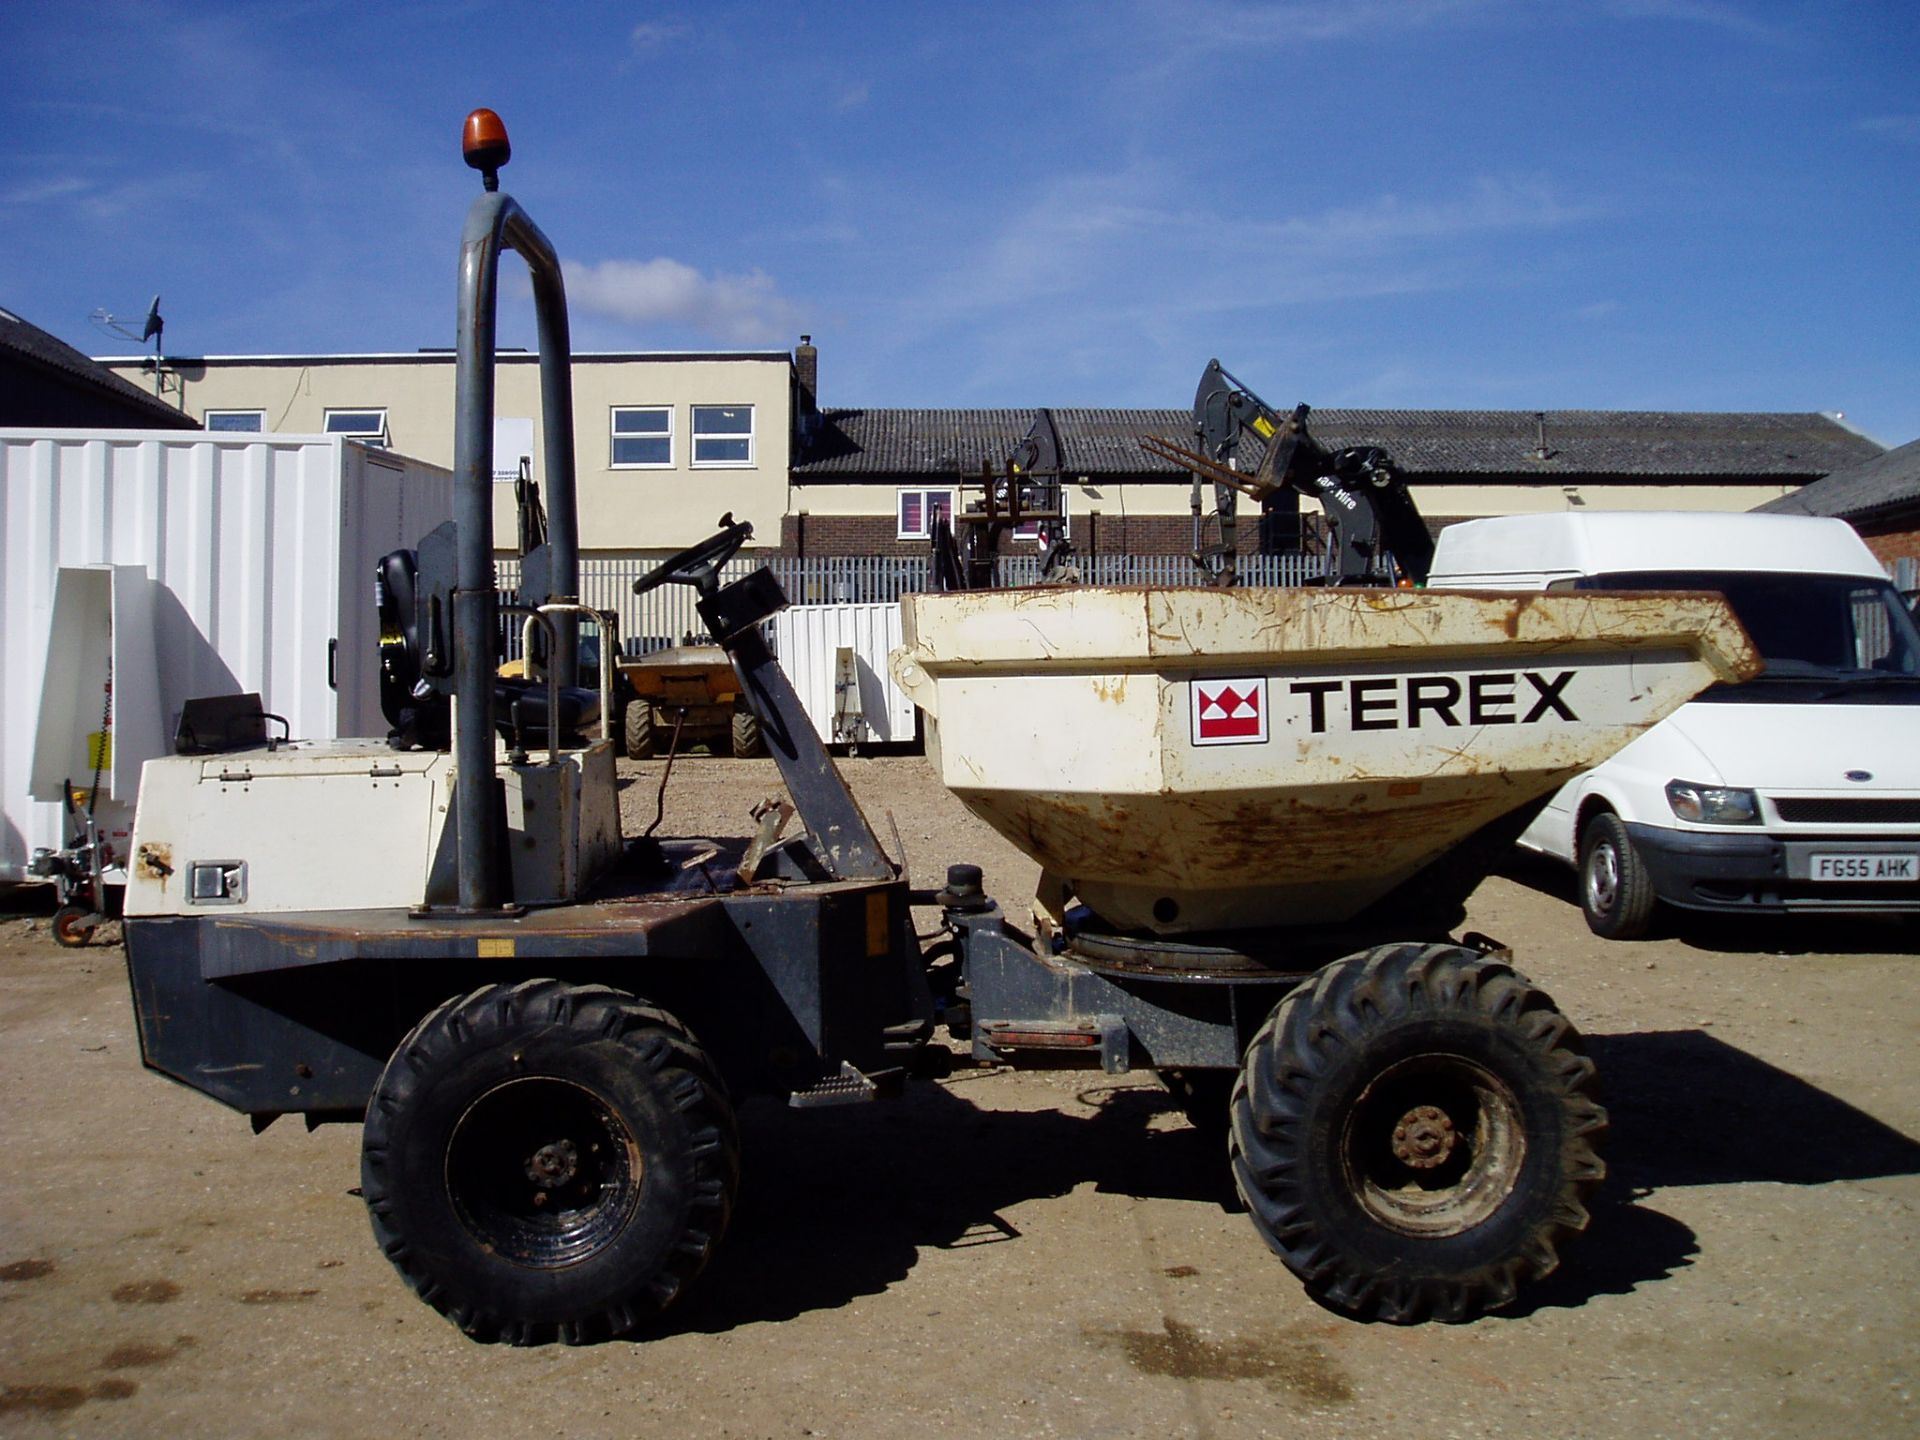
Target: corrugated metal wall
{"x": 808, "y": 639}
{"x": 259, "y": 552}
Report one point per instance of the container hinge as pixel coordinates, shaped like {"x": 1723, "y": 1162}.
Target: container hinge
{"x": 242, "y": 776}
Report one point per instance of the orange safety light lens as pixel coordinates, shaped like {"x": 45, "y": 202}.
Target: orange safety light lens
{"x": 484, "y": 141}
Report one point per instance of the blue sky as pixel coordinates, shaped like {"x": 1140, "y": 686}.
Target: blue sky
{"x": 1659, "y": 204}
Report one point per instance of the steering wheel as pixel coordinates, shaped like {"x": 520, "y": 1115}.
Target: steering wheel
{"x": 699, "y": 565}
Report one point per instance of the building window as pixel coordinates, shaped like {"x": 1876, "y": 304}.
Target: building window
{"x": 248, "y": 421}
{"x": 367, "y": 425}
{"x": 723, "y": 435}
{"x": 914, "y": 511}
{"x": 642, "y": 436}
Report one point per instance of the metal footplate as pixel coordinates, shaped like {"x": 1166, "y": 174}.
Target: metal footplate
{"x": 850, "y": 1087}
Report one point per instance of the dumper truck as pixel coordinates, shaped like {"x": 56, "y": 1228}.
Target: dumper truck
{"x": 1257, "y": 813}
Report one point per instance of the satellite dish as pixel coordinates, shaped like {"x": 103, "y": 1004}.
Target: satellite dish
{"x": 113, "y": 325}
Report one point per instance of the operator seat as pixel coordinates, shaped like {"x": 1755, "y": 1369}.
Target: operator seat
{"x": 420, "y": 717}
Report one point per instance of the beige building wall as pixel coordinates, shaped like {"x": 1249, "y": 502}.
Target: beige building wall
{"x": 625, "y": 510}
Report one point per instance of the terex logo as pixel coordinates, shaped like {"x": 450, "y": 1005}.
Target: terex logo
{"x": 1415, "y": 702}
{"x": 1229, "y": 712}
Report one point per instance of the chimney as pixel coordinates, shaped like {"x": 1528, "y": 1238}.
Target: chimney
{"x": 806, "y": 382}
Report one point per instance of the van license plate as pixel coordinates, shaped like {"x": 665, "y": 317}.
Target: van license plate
{"x": 1864, "y": 867}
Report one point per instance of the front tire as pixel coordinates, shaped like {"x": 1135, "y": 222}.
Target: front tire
{"x": 547, "y": 1160}
{"x": 746, "y": 736}
{"x": 1616, "y": 892}
{"x": 1413, "y": 1133}
{"x": 637, "y": 728}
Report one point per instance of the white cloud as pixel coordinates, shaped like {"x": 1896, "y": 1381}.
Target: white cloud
{"x": 40, "y": 192}
{"x": 1136, "y": 232}
{"x": 744, "y": 309}
{"x": 1718, "y": 13}
{"x": 650, "y": 36}
{"x": 1233, "y": 24}
{"x": 1904, "y": 128}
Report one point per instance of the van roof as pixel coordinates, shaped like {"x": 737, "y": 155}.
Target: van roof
{"x": 1631, "y": 540}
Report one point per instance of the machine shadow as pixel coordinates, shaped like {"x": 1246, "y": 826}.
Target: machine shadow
{"x": 837, "y": 1204}
{"x": 1688, "y": 1109}
{"x": 1797, "y": 933}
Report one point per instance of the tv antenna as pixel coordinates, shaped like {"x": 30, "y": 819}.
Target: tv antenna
{"x": 150, "y": 329}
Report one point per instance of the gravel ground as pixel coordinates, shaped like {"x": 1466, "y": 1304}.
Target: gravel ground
{"x": 1001, "y": 1253}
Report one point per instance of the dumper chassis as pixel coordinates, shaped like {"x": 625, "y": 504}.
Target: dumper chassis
{"x": 548, "y": 1080}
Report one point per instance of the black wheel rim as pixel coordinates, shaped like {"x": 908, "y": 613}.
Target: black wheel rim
{"x": 541, "y": 1172}
{"x": 1434, "y": 1146}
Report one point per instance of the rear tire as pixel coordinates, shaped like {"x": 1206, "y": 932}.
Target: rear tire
{"x": 746, "y": 735}
{"x": 637, "y": 729}
{"x": 548, "y": 1160}
{"x": 1413, "y": 1133}
{"x": 1616, "y": 892}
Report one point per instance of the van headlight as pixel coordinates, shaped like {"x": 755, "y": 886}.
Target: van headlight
{"x": 1712, "y": 804}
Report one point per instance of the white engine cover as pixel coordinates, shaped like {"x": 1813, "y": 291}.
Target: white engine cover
{"x": 351, "y": 825}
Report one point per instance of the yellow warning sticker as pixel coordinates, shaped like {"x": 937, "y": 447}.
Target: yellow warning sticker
{"x": 1263, "y": 427}
{"x": 495, "y": 949}
{"x": 99, "y": 750}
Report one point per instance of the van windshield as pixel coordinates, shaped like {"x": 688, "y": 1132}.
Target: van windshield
{"x": 1823, "y": 636}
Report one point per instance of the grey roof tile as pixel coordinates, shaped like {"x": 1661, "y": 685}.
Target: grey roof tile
{"x": 28, "y": 342}
{"x": 883, "y": 444}
{"x": 1890, "y": 480}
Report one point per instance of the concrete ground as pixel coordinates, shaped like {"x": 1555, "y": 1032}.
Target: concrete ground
{"x": 1012, "y": 1254}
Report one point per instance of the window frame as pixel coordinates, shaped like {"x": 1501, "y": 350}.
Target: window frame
{"x": 260, "y": 416}
{"x": 380, "y": 439}
{"x": 900, "y": 530}
{"x": 695, "y": 435}
{"x": 615, "y": 436}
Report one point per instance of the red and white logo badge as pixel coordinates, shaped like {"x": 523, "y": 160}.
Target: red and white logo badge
{"x": 1229, "y": 712}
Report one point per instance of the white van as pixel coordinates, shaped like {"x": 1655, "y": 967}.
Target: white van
{"x": 1799, "y": 790}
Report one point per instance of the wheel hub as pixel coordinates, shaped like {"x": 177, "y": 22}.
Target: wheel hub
{"x": 554, "y": 1165}
{"x": 1424, "y": 1137}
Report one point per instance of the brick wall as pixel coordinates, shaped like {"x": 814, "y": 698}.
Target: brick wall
{"x": 1894, "y": 545}
{"x": 1105, "y": 534}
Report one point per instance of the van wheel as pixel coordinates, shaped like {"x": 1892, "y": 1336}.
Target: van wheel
{"x": 1616, "y": 893}
{"x": 547, "y": 1161}
{"x": 1413, "y": 1132}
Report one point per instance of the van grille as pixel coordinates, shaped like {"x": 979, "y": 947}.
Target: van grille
{"x": 1848, "y": 811}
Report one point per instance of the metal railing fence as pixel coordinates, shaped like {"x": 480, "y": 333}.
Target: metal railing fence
{"x": 665, "y": 616}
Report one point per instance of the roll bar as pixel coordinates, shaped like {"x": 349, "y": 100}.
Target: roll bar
{"x": 495, "y": 223}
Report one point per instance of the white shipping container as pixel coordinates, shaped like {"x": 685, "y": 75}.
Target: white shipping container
{"x": 809, "y": 640}
{"x": 192, "y": 564}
